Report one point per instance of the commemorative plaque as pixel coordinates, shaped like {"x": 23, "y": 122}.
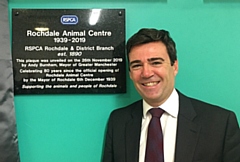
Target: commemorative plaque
{"x": 60, "y": 51}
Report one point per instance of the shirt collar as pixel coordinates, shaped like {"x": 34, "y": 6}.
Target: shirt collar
{"x": 170, "y": 106}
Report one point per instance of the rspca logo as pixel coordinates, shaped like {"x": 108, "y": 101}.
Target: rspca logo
{"x": 69, "y": 19}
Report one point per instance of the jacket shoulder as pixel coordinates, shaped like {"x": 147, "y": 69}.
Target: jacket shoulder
{"x": 201, "y": 106}
{"x": 205, "y": 107}
{"x": 209, "y": 111}
{"x": 127, "y": 111}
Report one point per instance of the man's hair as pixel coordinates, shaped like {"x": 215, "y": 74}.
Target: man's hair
{"x": 146, "y": 35}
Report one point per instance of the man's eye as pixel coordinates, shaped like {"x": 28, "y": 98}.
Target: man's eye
{"x": 136, "y": 66}
{"x": 157, "y": 63}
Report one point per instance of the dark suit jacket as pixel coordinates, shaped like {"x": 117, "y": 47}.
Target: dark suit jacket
{"x": 205, "y": 133}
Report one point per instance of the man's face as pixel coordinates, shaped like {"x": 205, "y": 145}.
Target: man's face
{"x": 152, "y": 73}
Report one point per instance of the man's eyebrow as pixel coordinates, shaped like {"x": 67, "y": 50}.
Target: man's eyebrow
{"x": 149, "y": 60}
{"x": 155, "y": 59}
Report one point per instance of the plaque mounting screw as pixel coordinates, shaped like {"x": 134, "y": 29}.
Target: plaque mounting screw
{"x": 17, "y": 13}
{"x": 120, "y": 13}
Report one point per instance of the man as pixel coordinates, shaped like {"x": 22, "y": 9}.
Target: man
{"x": 193, "y": 131}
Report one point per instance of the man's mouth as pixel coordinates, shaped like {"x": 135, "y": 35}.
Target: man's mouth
{"x": 149, "y": 84}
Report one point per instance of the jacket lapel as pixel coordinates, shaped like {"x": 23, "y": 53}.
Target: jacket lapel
{"x": 133, "y": 131}
{"x": 187, "y": 131}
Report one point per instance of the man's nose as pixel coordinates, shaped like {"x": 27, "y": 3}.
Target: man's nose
{"x": 146, "y": 71}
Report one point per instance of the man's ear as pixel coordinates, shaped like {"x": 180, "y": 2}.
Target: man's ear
{"x": 175, "y": 67}
{"x": 130, "y": 74}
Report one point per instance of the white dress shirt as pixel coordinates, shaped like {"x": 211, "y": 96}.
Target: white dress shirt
{"x": 169, "y": 127}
